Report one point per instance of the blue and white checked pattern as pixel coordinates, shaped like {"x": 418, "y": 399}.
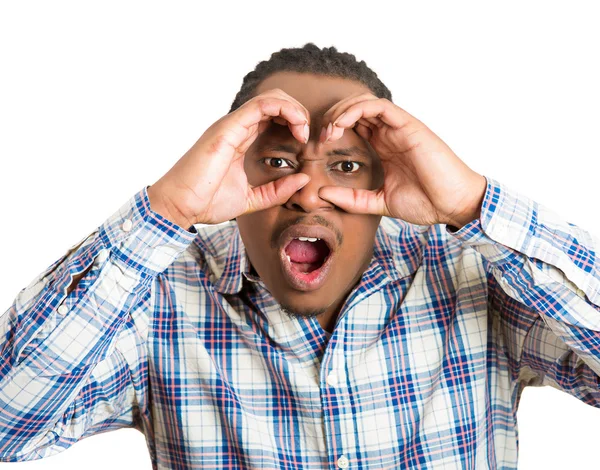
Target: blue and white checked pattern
{"x": 169, "y": 333}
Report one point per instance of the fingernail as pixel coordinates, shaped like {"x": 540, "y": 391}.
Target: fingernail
{"x": 306, "y": 133}
{"x": 322, "y": 136}
{"x": 302, "y": 116}
{"x": 339, "y": 118}
{"x": 329, "y": 130}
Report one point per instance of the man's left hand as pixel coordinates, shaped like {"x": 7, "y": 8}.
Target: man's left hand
{"x": 425, "y": 183}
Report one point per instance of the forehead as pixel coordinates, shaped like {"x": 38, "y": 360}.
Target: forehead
{"x": 317, "y": 93}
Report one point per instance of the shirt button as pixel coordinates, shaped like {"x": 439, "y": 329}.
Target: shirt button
{"x": 127, "y": 225}
{"x": 332, "y": 379}
{"x": 63, "y": 310}
{"x": 343, "y": 462}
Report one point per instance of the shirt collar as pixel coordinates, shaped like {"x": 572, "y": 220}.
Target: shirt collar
{"x": 397, "y": 250}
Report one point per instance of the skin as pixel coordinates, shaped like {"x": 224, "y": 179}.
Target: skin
{"x": 356, "y": 231}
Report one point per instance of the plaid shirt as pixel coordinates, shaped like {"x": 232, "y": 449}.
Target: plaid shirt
{"x": 170, "y": 334}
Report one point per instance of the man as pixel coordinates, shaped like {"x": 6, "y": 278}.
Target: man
{"x": 355, "y": 297}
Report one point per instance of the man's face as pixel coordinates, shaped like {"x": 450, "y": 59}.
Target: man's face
{"x": 277, "y": 153}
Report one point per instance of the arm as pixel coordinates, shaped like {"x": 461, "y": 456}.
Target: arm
{"x": 72, "y": 345}
{"x": 544, "y": 288}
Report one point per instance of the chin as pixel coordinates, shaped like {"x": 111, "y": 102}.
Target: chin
{"x": 300, "y": 303}
{"x": 302, "y": 311}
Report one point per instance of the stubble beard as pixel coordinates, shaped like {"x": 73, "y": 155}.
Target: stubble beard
{"x": 299, "y": 314}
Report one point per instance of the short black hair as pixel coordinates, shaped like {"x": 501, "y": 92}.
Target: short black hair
{"x": 311, "y": 59}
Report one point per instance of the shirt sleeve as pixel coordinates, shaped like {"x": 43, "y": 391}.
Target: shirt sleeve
{"x": 74, "y": 364}
{"x": 544, "y": 288}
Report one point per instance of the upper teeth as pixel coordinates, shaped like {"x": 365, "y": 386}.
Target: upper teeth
{"x": 306, "y": 239}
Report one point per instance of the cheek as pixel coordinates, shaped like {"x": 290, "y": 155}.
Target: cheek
{"x": 258, "y": 172}
{"x": 256, "y": 242}
{"x": 251, "y": 169}
{"x": 377, "y": 176}
{"x": 362, "y": 180}
{"x": 359, "y": 239}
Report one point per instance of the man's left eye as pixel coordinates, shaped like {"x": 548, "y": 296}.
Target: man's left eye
{"x": 347, "y": 166}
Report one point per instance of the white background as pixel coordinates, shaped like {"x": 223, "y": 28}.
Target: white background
{"x": 98, "y": 100}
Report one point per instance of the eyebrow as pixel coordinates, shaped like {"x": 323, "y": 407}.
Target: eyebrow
{"x": 349, "y": 152}
{"x": 345, "y": 152}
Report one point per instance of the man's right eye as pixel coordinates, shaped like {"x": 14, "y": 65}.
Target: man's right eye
{"x": 275, "y": 162}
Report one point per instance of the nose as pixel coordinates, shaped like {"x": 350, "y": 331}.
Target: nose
{"x": 307, "y": 199}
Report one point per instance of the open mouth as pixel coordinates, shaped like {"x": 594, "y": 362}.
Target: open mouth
{"x": 306, "y": 254}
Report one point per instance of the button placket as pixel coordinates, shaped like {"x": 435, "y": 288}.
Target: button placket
{"x": 334, "y": 401}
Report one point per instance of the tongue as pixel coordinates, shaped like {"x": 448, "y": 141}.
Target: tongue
{"x": 303, "y": 252}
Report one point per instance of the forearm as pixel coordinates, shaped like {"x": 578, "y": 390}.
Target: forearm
{"x": 546, "y": 264}
{"x": 57, "y": 335}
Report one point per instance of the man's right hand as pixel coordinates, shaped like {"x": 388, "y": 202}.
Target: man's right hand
{"x": 208, "y": 185}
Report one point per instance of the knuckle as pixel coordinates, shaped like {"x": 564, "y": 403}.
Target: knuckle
{"x": 218, "y": 144}
{"x": 264, "y": 103}
{"x": 263, "y": 196}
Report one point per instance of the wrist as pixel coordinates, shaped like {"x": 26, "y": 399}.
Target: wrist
{"x": 162, "y": 206}
{"x": 473, "y": 210}
{"x": 459, "y": 223}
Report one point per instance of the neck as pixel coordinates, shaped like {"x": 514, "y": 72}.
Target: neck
{"x": 328, "y": 319}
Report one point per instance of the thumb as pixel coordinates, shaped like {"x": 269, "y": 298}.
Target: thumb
{"x": 274, "y": 193}
{"x": 355, "y": 201}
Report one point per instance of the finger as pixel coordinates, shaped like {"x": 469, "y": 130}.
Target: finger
{"x": 368, "y": 123}
{"x": 275, "y": 193}
{"x": 288, "y": 115}
{"x": 266, "y": 108}
{"x": 294, "y": 100}
{"x": 338, "y": 108}
{"x": 278, "y": 92}
{"x": 355, "y": 201}
{"x": 283, "y": 122}
{"x": 380, "y": 109}
{"x": 252, "y": 136}
{"x": 263, "y": 125}
{"x": 253, "y": 133}
{"x": 374, "y": 122}
{"x": 337, "y": 132}
{"x": 363, "y": 131}
{"x": 383, "y": 111}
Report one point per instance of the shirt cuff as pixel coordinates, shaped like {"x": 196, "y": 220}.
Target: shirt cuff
{"x": 142, "y": 238}
{"x": 505, "y": 227}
